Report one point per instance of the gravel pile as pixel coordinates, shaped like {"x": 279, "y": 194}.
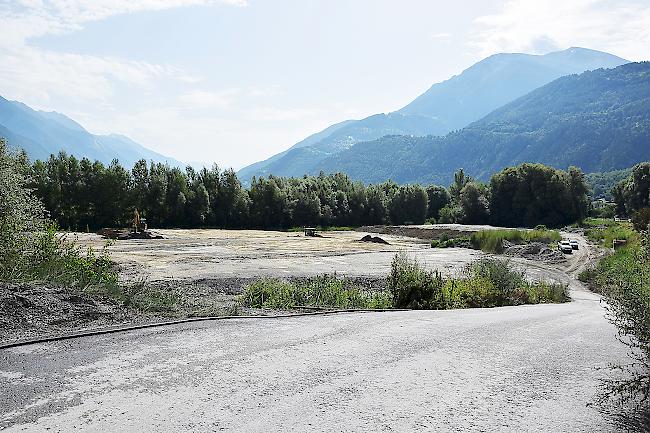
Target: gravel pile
{"x": 35, "y": 310}
{"x": 533, "y": 251}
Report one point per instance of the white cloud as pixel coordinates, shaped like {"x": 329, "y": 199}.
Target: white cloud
{"x": 618, "y": 26}
{"x": 36, "y": 76}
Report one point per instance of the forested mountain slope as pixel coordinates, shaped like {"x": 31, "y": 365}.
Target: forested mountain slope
{"x": 598, "y": 120}
{"x": 446, "y": 106}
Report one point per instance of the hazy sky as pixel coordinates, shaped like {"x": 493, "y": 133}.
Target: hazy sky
{"x": 235, "y": 81}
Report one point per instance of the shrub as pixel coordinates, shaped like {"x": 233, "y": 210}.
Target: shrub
{"x": 414, "y": 287}
{"x": 605, "y": 233}
{"x": 32, "y": 250}
{"x": 641, "y": 219}
{"x": 320, "y": 291}
{"x": 451, "y": 214}
{"x": 624, "y": 280}
{"x": 486, "y": 283}
{"x": 492, "y": 240}
{"x": 443, "y": 242}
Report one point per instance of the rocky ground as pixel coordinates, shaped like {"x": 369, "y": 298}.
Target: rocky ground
{"x": 36, "y": 310}
{"x": 534, "y": 251}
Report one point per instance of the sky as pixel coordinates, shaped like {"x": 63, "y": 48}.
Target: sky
{"x": 236, "y": 81}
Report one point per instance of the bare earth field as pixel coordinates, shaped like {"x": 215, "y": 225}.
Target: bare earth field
{"x": 214, "y": 254}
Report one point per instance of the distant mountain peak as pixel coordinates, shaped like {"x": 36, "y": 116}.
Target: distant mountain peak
{"x": 446, "y": 106}
{"x": 41, "y": 133}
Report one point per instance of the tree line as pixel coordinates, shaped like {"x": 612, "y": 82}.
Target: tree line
{"x": 81, "y": 194}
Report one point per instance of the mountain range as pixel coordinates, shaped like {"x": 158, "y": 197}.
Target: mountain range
{"x": 598, "y": 120}
{"x": 447, "y": 106}
{"x": 42, "y": 133}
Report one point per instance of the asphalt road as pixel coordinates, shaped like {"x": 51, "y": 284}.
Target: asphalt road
{"x": 512, "y": 369}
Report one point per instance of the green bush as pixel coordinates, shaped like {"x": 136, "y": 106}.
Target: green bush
{"x": 609, "y": 230}
{"x": 31, "y": 250}
{"x": 450, "y": 243}
{"x": 486, "y": 283}
{"x": 624, "y": 280}
{"x": 641, "y": 219}
{"x": 414, "y": 287}
{"x": 320, "y": 291}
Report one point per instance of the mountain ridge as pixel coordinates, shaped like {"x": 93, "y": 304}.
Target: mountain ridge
{"x": 598, "y": 120}
{"x": 443, "y": 107}
{"x": 42, "y": 133}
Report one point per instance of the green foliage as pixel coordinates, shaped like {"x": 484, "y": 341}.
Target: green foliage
{"x": 633, "y": 194}
{"x": 601, "y": 184}
{"x": 624, "y": 280}
{"x": 414, "y": 287}
{"x": 320, "y": 291}
{"x": 408, "y": 205}
{"x": 81, "y": 194}
{"x": 532, "y": 194}
{"x": 492, "y": 240}
{"x": 641, "y": 219}
{"x": 438, "y": 198}
{"x": 474, "y": 201}
{"x": 603, "y": 231}
{"x": 487, "y": 283}
{"x": 450, "y": 243}
{"x": 31, "y": 250}
{"x": 451, "y": 214}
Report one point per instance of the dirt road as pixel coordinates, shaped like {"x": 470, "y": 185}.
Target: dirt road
{"x": 512, "y": 369}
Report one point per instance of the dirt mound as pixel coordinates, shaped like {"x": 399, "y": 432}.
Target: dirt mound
{"x": 427, "y": 234}
{"x": 123, "y": 234}
{"x": 373, "y": 239}
{"x": 31, "y": 310}
{"x": 533, "y": 251}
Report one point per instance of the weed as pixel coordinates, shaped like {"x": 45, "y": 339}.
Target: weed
{"x": 492, "y": 240}
{"x": 320, "y": 291}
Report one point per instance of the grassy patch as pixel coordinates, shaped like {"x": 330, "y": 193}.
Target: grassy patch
{"x": 450, "y": 243}
{"x": 51, "y": 257}
{"x": 324, "y": 229}
{"x": 320, "y": 291}
{"x": 492, "y": 240}
{"x": 604, "y": 231}
{"x": 624, "y": 280}
{"x": 486, "y": 283}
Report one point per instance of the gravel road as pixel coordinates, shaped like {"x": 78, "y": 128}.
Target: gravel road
{"x": 511, "y": 369}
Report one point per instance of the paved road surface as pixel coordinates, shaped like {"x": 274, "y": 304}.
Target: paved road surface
{"x": 512, "y": 369}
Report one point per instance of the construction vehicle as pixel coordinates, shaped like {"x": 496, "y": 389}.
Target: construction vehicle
{"x": 139, "y": 224}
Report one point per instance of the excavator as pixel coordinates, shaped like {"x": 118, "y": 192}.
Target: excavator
{"x": 139, "y": 224}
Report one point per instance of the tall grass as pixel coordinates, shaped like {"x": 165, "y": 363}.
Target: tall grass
{"x": 485, "y": 283}
{"x": 49, "y": 257}
{"x": 320, "y": 291}
{"x": 606, "y": 233}
{"x": 492, "y": 240}
{"x": 624, "y": 280}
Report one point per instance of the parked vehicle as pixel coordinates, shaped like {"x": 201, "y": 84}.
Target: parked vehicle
{"x": 565, "y": 247}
